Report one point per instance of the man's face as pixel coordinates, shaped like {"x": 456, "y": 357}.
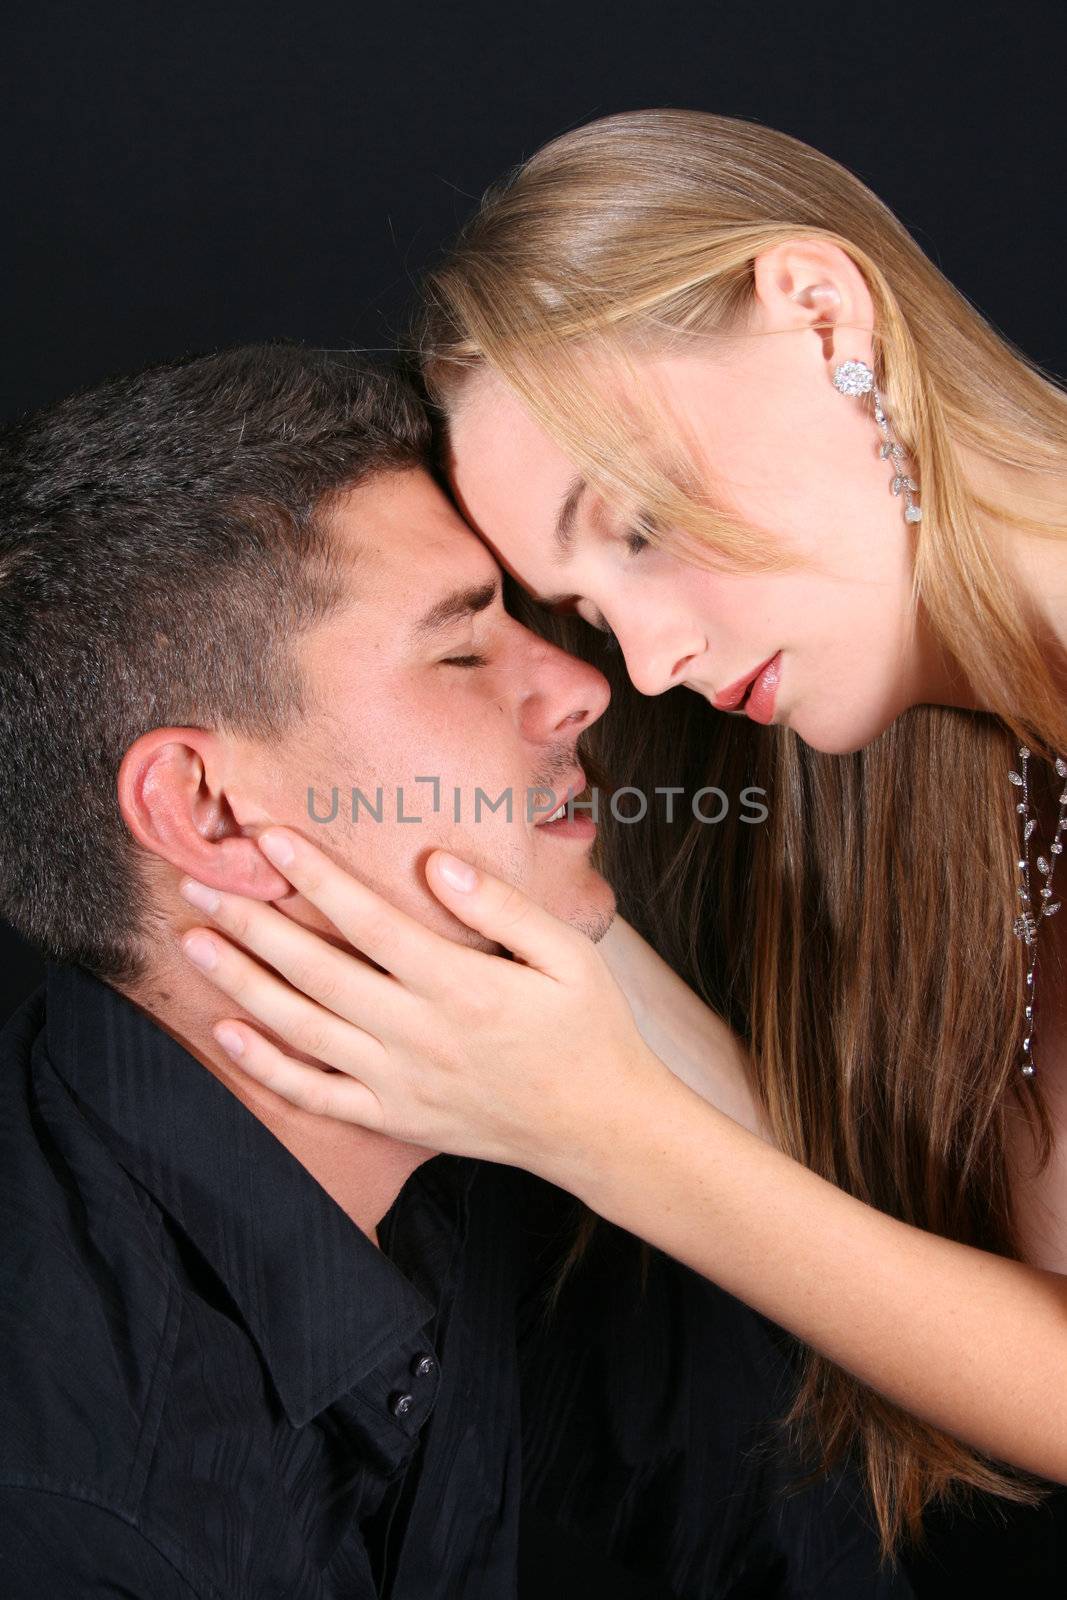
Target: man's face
{"x": 425, "y": 676}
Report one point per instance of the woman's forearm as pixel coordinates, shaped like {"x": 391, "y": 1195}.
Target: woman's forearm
{"x": 974, "y": 1343}
{"x": 685, "y": 1033}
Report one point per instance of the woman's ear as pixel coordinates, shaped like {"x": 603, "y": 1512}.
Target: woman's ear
{"x": 172, "y": 792}
{"x": 815, "y": 284}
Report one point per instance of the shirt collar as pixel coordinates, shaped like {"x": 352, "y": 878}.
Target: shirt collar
{"x": 321, "y": 1302}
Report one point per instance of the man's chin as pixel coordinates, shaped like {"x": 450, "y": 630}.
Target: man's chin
{"x": 595, "y": 925}
{"x": 594, "y": 912}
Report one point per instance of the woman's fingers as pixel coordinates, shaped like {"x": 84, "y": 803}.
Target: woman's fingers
{"x": 338, "y": 979}
{"x": 506, "y": 915}
{"x": 367, "y": 920}
{"x": 302, "y": 1023}
{"x": 324, "y": 1094}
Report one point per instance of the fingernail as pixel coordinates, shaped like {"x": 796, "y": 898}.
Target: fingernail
{"x": 456, "y": 873}
{"x": 201, "y": 951}
{"x": 276, "y": 848}
{"x": 229, "y": 1039}
{"x": 200, "y": 895}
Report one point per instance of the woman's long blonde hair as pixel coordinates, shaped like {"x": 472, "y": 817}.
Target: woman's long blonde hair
{"x": 860, "y": 940}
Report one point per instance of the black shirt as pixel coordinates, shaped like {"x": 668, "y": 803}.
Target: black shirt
{"x": 212, "y": 1381}
{"x": 214, "y": 1385}
{"x": 652, "y": 1402}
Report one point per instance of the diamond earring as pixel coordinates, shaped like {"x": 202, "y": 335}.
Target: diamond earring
{"x": 856, "y": 378}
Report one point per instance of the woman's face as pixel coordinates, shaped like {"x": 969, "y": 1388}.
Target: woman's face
{"x": 788, "y": 453}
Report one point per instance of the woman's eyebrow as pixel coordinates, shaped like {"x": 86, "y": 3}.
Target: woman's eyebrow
{"x": 563, "y": 532}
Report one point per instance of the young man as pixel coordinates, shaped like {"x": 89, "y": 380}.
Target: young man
{"x": 248, "y": 1352}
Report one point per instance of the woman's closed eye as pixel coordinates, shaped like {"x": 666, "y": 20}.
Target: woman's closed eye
{"x": 591, "y": 617}
{"x": 465, "y": 661}
{"x": 609, "y": 640}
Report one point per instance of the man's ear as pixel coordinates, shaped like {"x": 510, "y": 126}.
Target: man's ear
{"x": 171, "y": 790}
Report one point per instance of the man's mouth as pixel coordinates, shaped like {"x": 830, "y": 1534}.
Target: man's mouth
{"x": 560, "y": 823}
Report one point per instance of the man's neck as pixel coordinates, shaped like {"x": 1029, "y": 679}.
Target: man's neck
{"x": 362, "y": 1171}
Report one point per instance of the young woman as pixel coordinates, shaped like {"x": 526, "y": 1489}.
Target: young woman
{"x": 702, "y": 389}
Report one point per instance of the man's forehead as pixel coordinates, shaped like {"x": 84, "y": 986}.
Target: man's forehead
{"x": 408, "y": 544}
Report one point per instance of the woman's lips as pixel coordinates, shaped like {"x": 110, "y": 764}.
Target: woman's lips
{"x": 730, "y": 698}
{"x": 760, "y": 703}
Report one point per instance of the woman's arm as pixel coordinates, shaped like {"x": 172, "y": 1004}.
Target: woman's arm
{"x": 686, "y": 1035}
{"x": 972, "y": 1342}
{"x": 537, "y": 1062}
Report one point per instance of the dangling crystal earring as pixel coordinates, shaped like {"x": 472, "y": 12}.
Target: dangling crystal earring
{"x": 856, "y": 378}
{"x": 1027, "y": 924}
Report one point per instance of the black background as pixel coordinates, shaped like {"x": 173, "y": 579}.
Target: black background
{"x": 181, "y": 177}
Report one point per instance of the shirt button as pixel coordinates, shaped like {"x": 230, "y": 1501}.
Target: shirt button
{"x": 401, "y": 1404}
{"x": 423, "y": 1366}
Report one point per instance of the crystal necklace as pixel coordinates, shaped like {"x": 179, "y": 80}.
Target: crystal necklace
{"x": 1028, "y": 922}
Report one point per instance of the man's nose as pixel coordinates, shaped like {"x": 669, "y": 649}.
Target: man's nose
{"x": 570, "y": 696}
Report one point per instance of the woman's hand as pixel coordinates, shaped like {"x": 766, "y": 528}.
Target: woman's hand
{"x": 530, "y": 1061}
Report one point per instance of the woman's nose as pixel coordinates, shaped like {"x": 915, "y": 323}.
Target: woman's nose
{"x": 658, "y": 665}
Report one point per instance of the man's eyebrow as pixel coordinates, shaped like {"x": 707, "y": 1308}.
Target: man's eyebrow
{"x": 461, "y": 603}
{"x": 563, "y": 532}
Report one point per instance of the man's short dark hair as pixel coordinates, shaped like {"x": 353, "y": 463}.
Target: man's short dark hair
{"x": 164, "y": 539}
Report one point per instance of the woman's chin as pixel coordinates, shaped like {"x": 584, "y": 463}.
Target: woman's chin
{"x": 838, "y": 736}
